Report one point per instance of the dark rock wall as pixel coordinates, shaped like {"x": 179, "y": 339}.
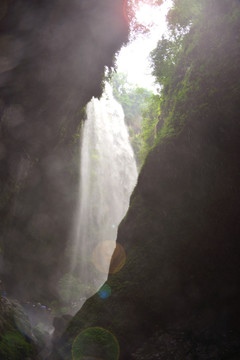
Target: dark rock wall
{"x": 181, "y": 233}
{"x": 17, "y": 340}
{"x": 52, "y": 62}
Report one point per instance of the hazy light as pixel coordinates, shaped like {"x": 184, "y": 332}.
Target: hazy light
{"x": 147, "y": 14}
{"x": 133, "y": 59}
{"x": 102, "y": 254}
{"x": 108, "y": 174}
{"x": 105, "y": 252}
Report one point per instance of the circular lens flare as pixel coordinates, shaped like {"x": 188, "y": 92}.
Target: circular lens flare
{"x": 95, "y": 343}
{"x": 118, "y": 259}
{"x": 102, "y": 254}
{"x": 105, "y": 291}
{"x": 108, "y": 253}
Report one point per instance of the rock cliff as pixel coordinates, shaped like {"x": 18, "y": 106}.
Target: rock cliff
{"x": 177, "y": 296}
{"x": 53, "y": 55}
{"x": 17, "y": 340}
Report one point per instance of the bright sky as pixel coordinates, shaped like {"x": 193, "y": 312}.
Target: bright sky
{"x": 133, "y": 58}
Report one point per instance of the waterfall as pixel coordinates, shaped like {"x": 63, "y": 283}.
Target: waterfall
{"x": 108, "y": 174}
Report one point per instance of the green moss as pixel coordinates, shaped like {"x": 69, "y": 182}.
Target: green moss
{"x": 13, "y": 346}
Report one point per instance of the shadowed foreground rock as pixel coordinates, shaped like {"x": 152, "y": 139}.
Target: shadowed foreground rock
{"x": 17, "y": 340}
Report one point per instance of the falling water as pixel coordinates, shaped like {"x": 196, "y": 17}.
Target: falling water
{"x": 108, "y": 175}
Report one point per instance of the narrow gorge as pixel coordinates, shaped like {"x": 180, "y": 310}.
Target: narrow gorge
{"x": 170, "y": 289}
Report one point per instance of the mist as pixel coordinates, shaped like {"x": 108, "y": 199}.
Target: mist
{"x": 175, "y": 293}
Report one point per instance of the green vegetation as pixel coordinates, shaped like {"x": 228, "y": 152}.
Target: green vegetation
{"x": 148, "y": 124}
{"x": 185, "y": 69}
{"x": 133, "y": 100}
{"x": 182, "y": 15}
{"x": 15, "y": 332}
{"x": 131, "y": 97}
{"x": 151, "y": 117}
{"x": 15, "y": 347}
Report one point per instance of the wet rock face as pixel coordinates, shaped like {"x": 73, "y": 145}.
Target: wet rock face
{"x": 178, "y": 291}
{"x": 179, "y": 345}
{"x": 17, "y": 339}
{"x": 52, "y": 61}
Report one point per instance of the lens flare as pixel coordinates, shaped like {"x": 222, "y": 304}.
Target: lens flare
{"x": 95, "y": 343}
{"x": 104, "y": 292}
{"x": 118, "y": 259}
{"x": 103, "y": 255}
{"x": 125, "y": 13}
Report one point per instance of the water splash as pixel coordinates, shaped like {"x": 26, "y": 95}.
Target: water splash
{"x": 108, "y": 175}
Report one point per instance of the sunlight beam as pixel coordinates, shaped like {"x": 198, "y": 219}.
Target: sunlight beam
{"x": 133, "y": 59}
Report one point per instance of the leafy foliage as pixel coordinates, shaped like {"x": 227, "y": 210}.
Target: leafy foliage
{"x": 130, "y": 9}
{"x": 151, "y": 116}
{"x": 164, "y": 58}
{"x": 182, "y": 14}
{"x": 183, "y": 65}
{"x": 131, "y": 97}
{"x": 133, "y": 100}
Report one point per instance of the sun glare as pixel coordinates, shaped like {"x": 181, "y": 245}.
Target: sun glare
{"x": 146, "y": 14}
{"x": 133, "y": 59}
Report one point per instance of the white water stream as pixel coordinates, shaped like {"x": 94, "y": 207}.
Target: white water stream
{"x": 108, "y": 174}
